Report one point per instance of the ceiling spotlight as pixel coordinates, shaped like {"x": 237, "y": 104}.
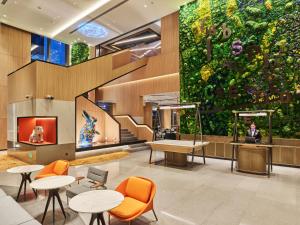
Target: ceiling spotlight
{"x": 4, "y": 15}
{"x": 145, "y": 6}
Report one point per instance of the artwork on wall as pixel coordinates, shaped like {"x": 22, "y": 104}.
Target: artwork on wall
{"x": 37, "y": 130}
{"x": 95, "y": 128}
{"x": 241, "y": 55}
{"x": 88, "y": 131}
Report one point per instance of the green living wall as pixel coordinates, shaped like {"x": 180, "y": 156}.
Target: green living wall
{"x": 241, "y": 55}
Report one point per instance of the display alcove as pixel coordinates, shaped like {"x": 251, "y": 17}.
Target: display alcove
{"x": 37, "y": 130}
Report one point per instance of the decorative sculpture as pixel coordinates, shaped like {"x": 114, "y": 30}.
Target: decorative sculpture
{"x": 37, "y": 135}
{"x": 88, "y": 131}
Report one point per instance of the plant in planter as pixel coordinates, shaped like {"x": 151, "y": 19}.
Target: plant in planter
{"x": 79, "y": 53}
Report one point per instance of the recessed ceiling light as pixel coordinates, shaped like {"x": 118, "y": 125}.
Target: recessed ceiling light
{"x": 15, "y": 2}
{"x": 4, "y": 15}
{"x": 80, "y": 16}
{"x": 145, "y": 6}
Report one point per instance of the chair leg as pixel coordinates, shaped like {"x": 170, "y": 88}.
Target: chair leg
{"x": 154, "y": 214}
{"x": 108, "y": 219}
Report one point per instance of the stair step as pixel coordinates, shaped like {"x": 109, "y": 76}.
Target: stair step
{"x": 127, "y": 135}
{"x": 137, "y": 145}
{"x": 124, "y": 139}
{"x": 142, "y": 148}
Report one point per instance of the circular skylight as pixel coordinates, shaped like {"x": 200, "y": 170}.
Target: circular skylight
{"x": 93, "y": 30}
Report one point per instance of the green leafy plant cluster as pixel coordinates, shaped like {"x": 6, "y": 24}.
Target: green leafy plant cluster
{"x": 79, "y": 53}
{"x": 241, "y": 55}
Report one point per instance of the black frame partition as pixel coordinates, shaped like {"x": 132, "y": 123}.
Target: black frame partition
{"x": 253, "y": 113}
{"x": 198, "y": 122}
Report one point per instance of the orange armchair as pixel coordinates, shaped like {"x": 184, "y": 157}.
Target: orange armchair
{"x": 138, "y": 194}
{"x": 59, "y": 167}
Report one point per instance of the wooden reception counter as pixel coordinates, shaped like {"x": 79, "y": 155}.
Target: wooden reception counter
{"x": 252, "y": 158}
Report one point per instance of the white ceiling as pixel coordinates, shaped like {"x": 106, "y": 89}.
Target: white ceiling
{"x": 57, "y": 18}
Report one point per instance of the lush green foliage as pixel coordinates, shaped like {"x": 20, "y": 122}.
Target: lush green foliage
{"x": 79, "y": 53}
{"x": 242, "y": 55}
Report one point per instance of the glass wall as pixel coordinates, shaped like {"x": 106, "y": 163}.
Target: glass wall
{"x": 46, "y": 49}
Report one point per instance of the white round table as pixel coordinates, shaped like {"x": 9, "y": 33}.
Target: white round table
{"x": 53, "y": 184}
{"x": 96, "y": 202}
{"x": 25, "y": 172}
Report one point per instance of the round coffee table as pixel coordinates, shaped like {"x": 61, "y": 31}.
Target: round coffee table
{"x": 25, "y": 172}
{"x": 53, "y": 184}
{"x": 96, "y": 202}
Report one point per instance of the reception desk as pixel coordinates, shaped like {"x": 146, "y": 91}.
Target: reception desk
{"x": 252, "y": 158}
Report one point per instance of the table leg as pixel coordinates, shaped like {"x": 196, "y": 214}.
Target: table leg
{"x": 102, "y": 218}
{"x": 203, "y": 152}
{"x": 193, "y": 156}
{"x": 232, "y": 157}
{"x": 53, "y": 209}
{"x": 150, "y": 156}
{"x": 34, "y": 191}
{"x": 93, "y": 218}
{"x": 269, "y": 162}
{"x": 52, "y": 195}
{"x": 21, "y": 185}
{"x": 60, "y": 202}
{"x": 271, "y": 149}
{"x": 47, "y": 205}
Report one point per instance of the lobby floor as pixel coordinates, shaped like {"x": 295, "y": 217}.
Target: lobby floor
{"x": 206, "y": 195}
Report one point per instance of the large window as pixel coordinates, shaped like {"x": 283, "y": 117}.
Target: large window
{"x": 46, "y": 49}
{"x": 57, "y": 52}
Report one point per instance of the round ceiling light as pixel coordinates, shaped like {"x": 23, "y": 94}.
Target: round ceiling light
{"x": 93, "y": 30}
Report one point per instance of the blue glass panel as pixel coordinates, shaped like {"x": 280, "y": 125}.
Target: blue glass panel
{"x": 57, "y": 52}
{"x": 38, "y": 47}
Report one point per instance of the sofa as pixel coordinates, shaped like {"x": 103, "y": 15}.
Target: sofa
{"x": 11, "y": 213}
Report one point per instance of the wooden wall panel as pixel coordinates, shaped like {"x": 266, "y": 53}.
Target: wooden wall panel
{"x": 22, "y": 83}
{"x": 170, "y": 33}
{"x": 121, "y": 58}
{"x": 14, "y": 52}
{"x": 128, "y": 96}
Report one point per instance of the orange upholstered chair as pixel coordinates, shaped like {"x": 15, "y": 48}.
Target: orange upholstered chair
{"x": 59, "y": 167}
{"x": 138, "y": 194}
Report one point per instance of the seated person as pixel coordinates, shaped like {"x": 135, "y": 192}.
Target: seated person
{"x": 253, "y": 135}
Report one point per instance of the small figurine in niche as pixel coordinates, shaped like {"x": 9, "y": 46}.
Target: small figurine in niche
{"x": 88, "y": 131}
{"x": 37, "y": 135}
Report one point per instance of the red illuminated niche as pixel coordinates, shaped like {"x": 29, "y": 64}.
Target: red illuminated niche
{"x": 26, "y": 126}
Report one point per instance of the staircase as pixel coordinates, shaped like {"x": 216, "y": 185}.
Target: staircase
{"x": 138, "y": 147}
{"x": 127, "y": 136}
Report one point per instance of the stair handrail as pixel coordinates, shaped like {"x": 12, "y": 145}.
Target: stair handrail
{"x": 135, "y": 123}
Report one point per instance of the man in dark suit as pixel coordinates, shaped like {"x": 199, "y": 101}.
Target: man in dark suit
{"x": 253, "y": 133}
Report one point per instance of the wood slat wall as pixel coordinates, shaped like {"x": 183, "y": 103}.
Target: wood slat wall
{"x": 128, "y": 96}
{"x": 14, "y": 52}
{"x": 65, "y": 83}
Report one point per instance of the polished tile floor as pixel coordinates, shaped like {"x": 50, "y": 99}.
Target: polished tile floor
{"x": 205, "y": 195}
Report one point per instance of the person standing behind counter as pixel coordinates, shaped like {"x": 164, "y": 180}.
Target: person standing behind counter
{"x": 253, "y": 135}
